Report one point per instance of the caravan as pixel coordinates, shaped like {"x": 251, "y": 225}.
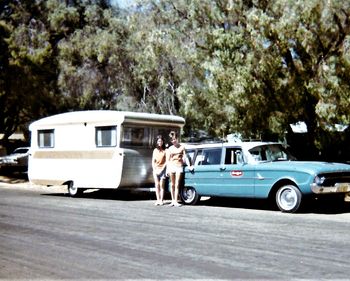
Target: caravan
{"x": 96, "y": 149}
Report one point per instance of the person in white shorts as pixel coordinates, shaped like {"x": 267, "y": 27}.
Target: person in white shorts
{"x": 175, "y": 162}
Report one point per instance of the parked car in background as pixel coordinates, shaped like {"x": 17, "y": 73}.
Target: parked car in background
{"x": 260, "y": 170}
{"x": 16, "y": 161}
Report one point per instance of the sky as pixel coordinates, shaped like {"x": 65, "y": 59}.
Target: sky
{"x": 123, "y": 3}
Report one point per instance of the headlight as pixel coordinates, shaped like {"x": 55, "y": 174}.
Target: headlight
{"x": 319, "y": 180}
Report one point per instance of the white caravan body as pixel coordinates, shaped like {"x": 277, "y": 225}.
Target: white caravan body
{"x": 96, "y": 149}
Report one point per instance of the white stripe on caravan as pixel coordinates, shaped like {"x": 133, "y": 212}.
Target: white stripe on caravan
{"x": 66, "y": 154}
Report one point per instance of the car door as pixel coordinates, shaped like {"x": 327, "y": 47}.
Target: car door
{"x": 236, "y": 177}
{"x": 206, "y": 174}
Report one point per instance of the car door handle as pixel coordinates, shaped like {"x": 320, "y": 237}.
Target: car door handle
{"x": 222, "y": 168}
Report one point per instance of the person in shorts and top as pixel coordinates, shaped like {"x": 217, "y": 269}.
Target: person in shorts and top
{"x": 159, "y": 169}
{"x": 175, "y": 162}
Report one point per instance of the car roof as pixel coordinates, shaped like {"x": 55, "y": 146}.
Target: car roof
{"x": 245, "y": 145}
{"x": 20, "y": 148}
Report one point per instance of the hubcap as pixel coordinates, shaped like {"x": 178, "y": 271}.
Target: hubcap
{"x": 288, "y": 199}
{"x": 188, "y": 194}
{"x": 73, "y": 190}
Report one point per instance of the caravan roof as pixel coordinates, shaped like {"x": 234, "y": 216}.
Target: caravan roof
{"x": 102, "y": 116}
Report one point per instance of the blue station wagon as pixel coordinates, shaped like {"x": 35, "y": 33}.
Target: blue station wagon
{"x": 259, "y": 170}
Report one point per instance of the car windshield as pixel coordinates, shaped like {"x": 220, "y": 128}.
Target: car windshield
{"x": 270, "y": 152}
{"x": 20, "y": 151}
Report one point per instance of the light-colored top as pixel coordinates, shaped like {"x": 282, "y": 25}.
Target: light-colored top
{"x": 176, "y": 155}
{"x": 158, "y": 160}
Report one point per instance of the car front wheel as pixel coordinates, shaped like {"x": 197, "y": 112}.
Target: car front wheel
{"x": 288, "y": 198}
{"x": 189, "y": 195}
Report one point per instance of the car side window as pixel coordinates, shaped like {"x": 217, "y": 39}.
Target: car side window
{"x": 233, "y": 156}
{"x": 258, "y": 153}
{"x": 190, "y": 156}
{"x": 208, "y": 157}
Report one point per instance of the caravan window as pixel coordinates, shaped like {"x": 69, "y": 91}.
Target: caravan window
{"x": 136, "y": 136}
{"x": 46, "y": 138}
{"x": 106, "y": 136}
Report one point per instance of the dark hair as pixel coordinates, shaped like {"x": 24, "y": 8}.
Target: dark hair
{"x": 173, "y": 135}
{"x": 160, "y": 137}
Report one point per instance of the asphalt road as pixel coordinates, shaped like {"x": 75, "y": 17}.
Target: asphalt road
{"x": 109, "y": 235}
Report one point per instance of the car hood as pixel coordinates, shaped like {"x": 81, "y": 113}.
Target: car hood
{"x": 311, "y": 167}
{"x": 12, "y": 156}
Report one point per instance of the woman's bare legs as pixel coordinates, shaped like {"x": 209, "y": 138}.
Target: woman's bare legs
{"x": 172, "y": 186}
{"x": 175, "y": 187}
{"x": 161, "y": 191}
{"x": 158, "y": 191}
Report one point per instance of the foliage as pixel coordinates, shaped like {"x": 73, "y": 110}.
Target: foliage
{"x": 28, "y": 69}
{"x": 261, "y": 63}
{"x": 92, "y": 60}
{"x": 251, "y": 67}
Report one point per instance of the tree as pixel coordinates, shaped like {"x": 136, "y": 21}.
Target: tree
{"x": 252, "y": 67}
{"x": 307, "y": 44}
{"x": 27, "y": 79}
{"x": 33, "y": 39}
{"x": 93, "y": 62}
{"x": 261, "y": 65}
{"x": 155, "y": 71}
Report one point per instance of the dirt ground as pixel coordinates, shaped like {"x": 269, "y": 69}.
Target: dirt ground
{"x": 20, "y": 180}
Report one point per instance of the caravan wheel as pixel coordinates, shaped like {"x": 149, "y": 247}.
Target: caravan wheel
{"x": 74, "y": 191}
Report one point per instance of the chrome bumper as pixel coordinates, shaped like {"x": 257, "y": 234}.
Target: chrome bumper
{"x": 337, "y": 188}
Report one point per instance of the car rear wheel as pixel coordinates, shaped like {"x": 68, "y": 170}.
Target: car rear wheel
{"x": 189, "y": 195}
{"x": 288, "y": 198}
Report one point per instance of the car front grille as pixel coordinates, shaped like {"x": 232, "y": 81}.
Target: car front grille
{"x": 330, "y": 179}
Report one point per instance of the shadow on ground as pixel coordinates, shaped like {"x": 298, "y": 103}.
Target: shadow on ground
{"x": 323, "y": 205}
{"x": 110, "y": 194}
{"x": 13, "y": 177}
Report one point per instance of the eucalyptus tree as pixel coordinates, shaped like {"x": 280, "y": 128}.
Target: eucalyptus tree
{"x": 6, "y": 123}
{"x": 257, "y": 66}
{"x": 303, "y": 50}
{"x": 28, "y": 70}
{"x": 155, "y": 71}
{"x": 39, "y": 76}
{"x": 93, "y": 63}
